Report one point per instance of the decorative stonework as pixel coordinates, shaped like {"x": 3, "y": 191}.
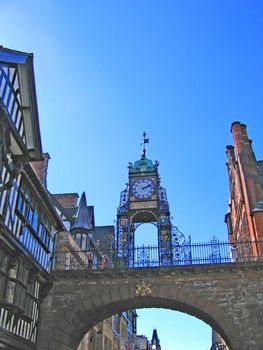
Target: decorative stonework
{"x": 143, "y": 205}
{"x": 143, "y": 289}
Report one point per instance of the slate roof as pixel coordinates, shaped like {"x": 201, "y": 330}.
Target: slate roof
{"x": 84, "y": 216}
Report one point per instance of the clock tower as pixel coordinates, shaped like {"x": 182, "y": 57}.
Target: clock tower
{"x": 144, "y": 200}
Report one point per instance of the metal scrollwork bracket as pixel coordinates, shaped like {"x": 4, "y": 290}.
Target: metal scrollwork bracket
{"x": 12, "y": 163}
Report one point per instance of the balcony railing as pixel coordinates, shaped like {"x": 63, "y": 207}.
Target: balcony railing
{"x": 213, "y": 252}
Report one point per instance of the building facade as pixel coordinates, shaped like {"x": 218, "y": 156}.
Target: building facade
{"x": 28, "y": 220}
{"x": 143, "y": 343}
{"x": 245, "y": 212}
{"x": 111, "y": 334}
{"x": 244, "y": 218}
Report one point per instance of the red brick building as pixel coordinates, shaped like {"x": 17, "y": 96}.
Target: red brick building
{"x": 245, "y": 216}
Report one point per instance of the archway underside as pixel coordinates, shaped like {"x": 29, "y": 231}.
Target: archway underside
{"x": 144, "y": 216}
{"x": 146, "y": 302}
{"x": 86, "y": 320}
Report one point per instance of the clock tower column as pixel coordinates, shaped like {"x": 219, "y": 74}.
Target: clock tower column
{"x": 144, "y": 200}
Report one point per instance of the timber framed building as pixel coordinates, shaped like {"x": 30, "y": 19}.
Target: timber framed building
{"x": 28, "y": 219}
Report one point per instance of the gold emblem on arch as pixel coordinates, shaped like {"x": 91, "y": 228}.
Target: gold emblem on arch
{"x": 143, "y": 289}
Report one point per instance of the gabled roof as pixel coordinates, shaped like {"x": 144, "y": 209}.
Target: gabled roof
{"x": 67, "y": 212}
{"x": 12, "y": 64}
{"x": 13, "y": 56}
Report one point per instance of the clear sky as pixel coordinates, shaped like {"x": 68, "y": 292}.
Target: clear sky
{"x": 183, "y": 71}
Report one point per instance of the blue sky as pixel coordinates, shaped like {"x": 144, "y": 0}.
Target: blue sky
{"x": 183, "y": 71}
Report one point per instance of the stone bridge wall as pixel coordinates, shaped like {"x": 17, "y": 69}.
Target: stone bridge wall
{"x": 227, "y": 297}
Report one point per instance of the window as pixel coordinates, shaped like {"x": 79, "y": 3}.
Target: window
{"x": 16, "y": 288}
{"x": 32, "y": 299}
{"x": 82, "y": 240}
{"x": 19, "y": 296}
{"x": 11, "y": 281}
{"x": 78, "y": 239}
{"x": 21, "y": 286}
{"x": 229, "y": 223}
{"x": 116, "y": 324}
{"x": 3, "y": 272}
{"x": 35, "y": 228}
{"x": 15, "y": 278}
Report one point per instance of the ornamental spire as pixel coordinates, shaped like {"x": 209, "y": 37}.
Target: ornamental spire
{"x": 145, "y": 140}
{"x": 84, "y": 216}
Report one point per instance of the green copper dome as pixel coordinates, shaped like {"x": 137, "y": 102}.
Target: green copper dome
{"x": 144, "y": 165}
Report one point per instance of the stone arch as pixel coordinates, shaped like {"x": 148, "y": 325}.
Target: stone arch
{"x": 78, "y": 320}
{"x": 216, "y": 320}
{"x": 223, "y": 297}
{"x": 145, "y": 216}
{"x": 146, "y": 234}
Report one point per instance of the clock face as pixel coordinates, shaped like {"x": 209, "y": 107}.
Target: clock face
{"x": 143, "y": 188}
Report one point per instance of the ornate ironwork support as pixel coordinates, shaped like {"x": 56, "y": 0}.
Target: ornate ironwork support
{"x": 181, "y": 249}
{"x": 10, "y": 166}
{"x": 143, "y": 257}
{"x": 215, "y": 256}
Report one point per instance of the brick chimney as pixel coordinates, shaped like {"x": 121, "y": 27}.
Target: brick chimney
{"x": 67, "y": 200}
{"x": 243, "y": 148}
{"x": 239, "y": 132}
{"x": 40, "y": 169}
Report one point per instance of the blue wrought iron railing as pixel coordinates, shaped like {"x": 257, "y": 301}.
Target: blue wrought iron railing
{"x": 213, "y": 252}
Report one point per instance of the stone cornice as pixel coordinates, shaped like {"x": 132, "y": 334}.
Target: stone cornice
{"x": 194, "y": 272}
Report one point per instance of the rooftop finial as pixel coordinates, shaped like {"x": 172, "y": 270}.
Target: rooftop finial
{"x": 145, "y": 140}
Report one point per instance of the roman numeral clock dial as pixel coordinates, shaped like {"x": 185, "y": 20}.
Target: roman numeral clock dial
{"x": 143, "y": 188}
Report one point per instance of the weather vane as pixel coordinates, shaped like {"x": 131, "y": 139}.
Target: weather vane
{"x": 145, "y": 140}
